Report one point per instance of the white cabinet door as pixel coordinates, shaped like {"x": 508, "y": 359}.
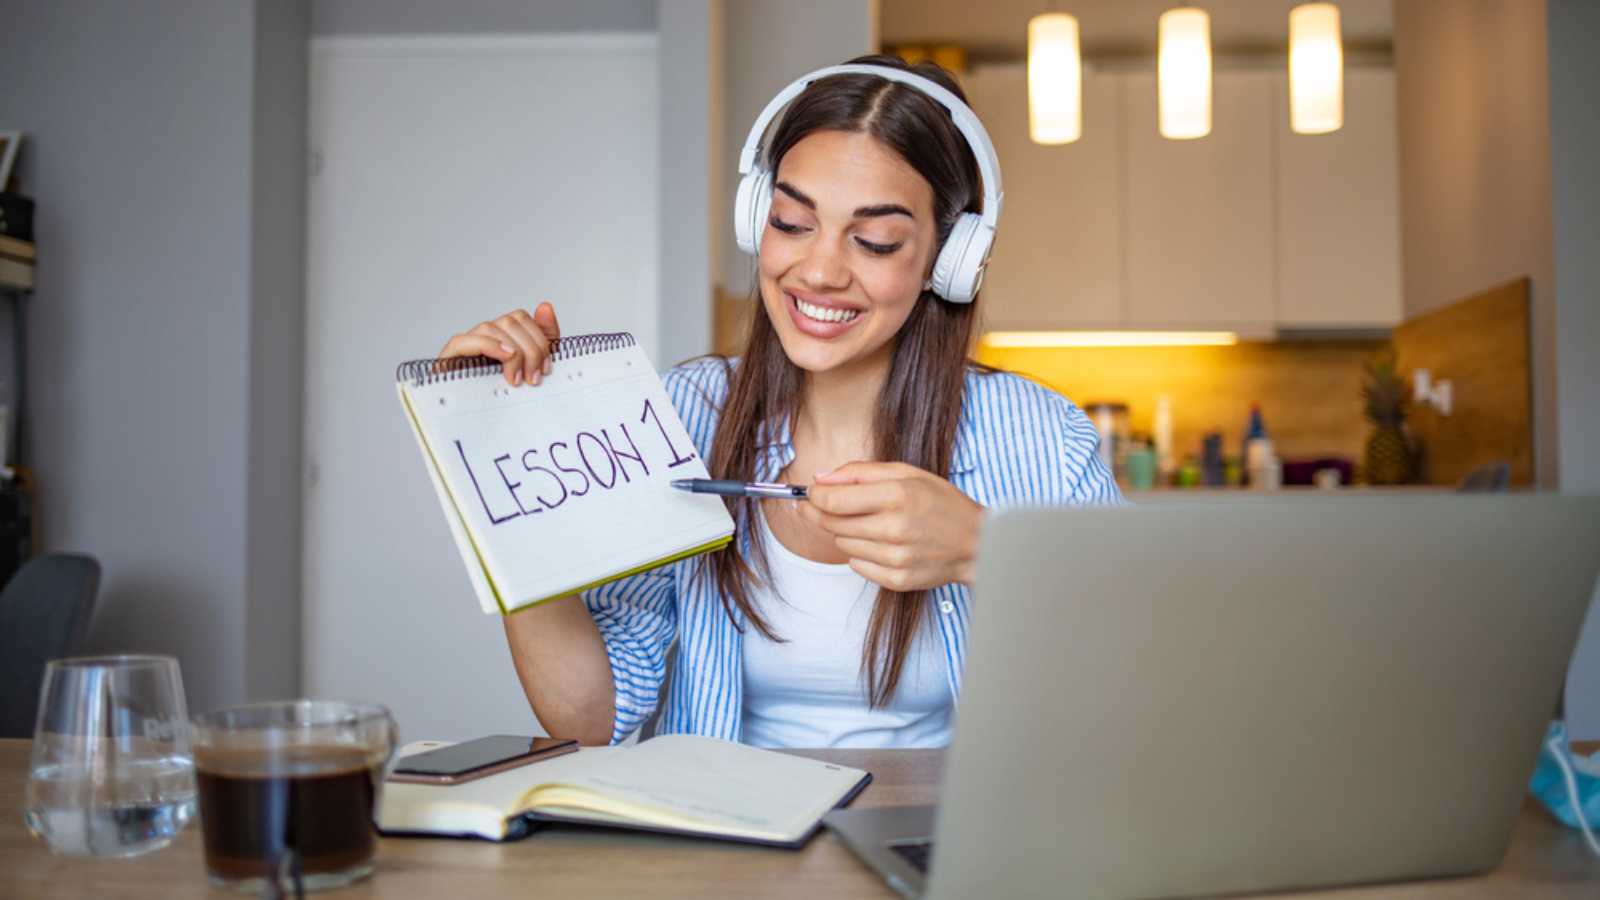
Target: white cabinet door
{"x": 1199, "y": 212}
{"x": 1339, "y": 210}
{"x": 1057, "y": 256}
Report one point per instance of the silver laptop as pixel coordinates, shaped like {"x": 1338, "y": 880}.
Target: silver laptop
{"x": 1249, "y": 695}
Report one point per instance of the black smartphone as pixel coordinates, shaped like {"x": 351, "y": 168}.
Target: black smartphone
{"x": 477, "y": 758}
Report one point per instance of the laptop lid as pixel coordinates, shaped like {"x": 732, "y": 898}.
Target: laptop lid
{"x": 1258, "y": 694}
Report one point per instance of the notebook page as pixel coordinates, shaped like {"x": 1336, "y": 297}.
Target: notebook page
{"x": 482, "y": 804}
{"x": 458, "y": 530}
{"x": 567, "y": 483}
{"x": 733, "y": 788}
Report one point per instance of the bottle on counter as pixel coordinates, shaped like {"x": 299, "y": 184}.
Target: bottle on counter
{"x": 1262, "y": 468}
{"x": 1254, "y": 430}
{"x": 1188, "y": 474}
{"x": 1213, "y": 470}
{"x": 1166, "y": 463}
{"x": 1110, "y": 418}
{"x": 1140, "y": 463}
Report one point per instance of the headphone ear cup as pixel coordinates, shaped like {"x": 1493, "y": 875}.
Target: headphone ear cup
{"x": 759, "y": 215}
{"x": 750, "y": 206}
{"x": 958, "y": 272}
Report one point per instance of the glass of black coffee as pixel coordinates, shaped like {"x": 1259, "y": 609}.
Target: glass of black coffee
{"x": 287, "y": 792}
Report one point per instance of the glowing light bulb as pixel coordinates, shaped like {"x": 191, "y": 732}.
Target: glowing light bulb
{"x": 1183, "y": 73}
{"x": 1055, "y": 79}
{"x": 1316, "y": 69}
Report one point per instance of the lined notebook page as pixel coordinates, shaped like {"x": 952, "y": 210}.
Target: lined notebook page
{"x": 723, "y": 787}
{"x": 565, "y": 484}
{"x": 481, "y": 806}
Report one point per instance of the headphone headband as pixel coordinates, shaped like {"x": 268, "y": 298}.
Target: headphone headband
{"x": 966, "y": 121}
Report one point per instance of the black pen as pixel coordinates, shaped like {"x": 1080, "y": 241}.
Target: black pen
{"x": 741, "y": 488}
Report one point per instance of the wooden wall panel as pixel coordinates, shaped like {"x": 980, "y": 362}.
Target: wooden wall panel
{"x": 730, "y": 321}
{"x": 1481, "y": 345}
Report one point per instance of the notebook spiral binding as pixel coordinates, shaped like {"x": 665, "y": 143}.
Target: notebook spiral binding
{"x": 429, "y": 371}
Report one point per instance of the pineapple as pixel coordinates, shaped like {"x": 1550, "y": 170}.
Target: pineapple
{"x": 1388, "y": 453}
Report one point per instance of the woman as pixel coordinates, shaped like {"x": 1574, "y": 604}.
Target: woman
{"x": 840, "y": 621}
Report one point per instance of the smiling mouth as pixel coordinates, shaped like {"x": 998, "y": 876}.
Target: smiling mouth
{"x": 823, "y": 313}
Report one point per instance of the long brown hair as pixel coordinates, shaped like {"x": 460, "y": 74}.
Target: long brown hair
{"x": 920, "y": 406}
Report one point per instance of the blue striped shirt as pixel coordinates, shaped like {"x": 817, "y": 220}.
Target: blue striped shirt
{"x": 1017, "y": 443}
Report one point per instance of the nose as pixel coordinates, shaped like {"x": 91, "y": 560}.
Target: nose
{"x": 824, "y": 267}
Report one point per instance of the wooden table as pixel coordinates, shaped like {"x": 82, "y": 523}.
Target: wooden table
{"x": 1545, "y": 861}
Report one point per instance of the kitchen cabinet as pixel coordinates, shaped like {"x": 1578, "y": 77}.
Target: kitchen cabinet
{"x": 1252, "y": 228}
{"x": 1199, "y": 212}
{"x": 1338, "y": 208}
{"x": 1057, "y": 257}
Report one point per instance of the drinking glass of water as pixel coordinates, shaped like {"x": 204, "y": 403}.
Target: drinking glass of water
{"x": 112, "y": 773}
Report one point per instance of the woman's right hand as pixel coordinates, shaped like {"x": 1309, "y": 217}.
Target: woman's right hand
{"x": 520, "y": 340}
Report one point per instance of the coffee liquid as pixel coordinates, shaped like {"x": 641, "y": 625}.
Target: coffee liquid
{"x": 320, "y": 803}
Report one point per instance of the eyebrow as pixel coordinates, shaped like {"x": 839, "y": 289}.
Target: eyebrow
{"x": 861, "y": 212}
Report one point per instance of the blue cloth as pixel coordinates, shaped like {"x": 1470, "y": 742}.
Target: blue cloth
{"x": 1549, "y": 782}
{"x": 1017, "y": 443}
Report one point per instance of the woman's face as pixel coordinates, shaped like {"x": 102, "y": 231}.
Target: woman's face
{"x": 846, "y": 250}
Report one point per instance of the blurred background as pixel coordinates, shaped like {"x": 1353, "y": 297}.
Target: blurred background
{"x": 226, "y": 221}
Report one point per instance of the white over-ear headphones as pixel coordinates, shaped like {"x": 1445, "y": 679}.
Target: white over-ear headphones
{"x": 958, "y": 272}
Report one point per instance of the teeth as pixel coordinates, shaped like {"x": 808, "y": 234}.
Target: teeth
{"x": 824, "y": 313}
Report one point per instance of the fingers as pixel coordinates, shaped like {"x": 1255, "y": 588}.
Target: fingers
{"x": 886, "y": 576}
{"x": 516, "y": 365}
{"x": 490, "y": 345}
{"x": 520, "y": 340}
{"x": 473, "y": 344}
{"x": 892, "y": 556}
{"x": 912, "y": 531}
{"x": 854, "y": 499}
{"x": 871, "y": 526}
{"x": 860, "y": 472}
{"x": 520, "y": 324}
{"x": 545, "y": 318}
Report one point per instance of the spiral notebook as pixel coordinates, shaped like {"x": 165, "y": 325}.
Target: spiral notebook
{"x": 560, "y": 487}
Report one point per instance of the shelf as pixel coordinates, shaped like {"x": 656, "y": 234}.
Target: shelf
{"x": 16, "y": 264}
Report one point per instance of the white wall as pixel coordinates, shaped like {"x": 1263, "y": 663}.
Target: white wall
{"x": 276, "y": 351}
{"x": 769, "y": 44}
{"x": 1498, "y": 180}
{"x": 459, "y": 178}
{"x": 1472, "y": 100}
{"x": 692, "y": 162}
{"x": 392, "y": 17}
{"x": 1575, "y": 176}
{"x": 163, "y": 151}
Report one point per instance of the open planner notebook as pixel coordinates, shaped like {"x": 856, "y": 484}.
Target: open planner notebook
{"x": 556, "y": 488}
{"x": 677, "y": 784}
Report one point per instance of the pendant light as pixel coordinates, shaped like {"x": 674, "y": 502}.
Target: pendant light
{"x": 1316, "y": 69}
{"x": 1055, "y": 79}
{"x": 1183, "y": 73}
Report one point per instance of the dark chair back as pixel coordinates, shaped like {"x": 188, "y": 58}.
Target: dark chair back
{"x": 44, "y": 614}
{"x": 1490, "y": 478}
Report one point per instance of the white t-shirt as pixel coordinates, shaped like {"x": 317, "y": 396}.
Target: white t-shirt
{"x": 809, "y": 691}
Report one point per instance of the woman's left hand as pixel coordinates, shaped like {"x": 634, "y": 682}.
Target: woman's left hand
{"x": 904, "y": 528}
